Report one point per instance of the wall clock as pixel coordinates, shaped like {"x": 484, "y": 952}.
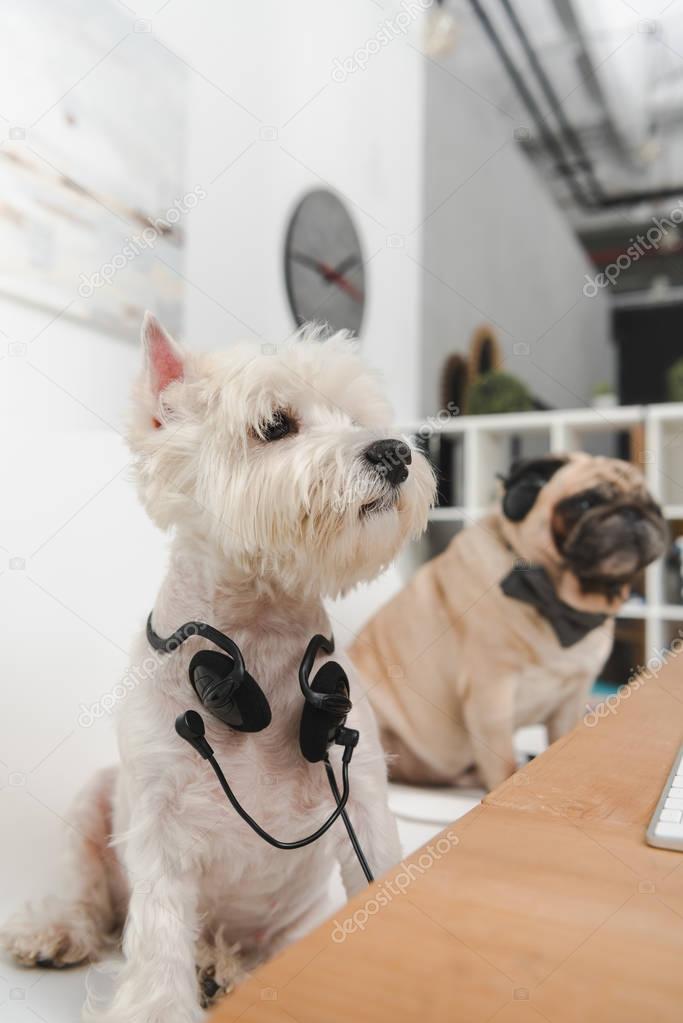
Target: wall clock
{"x": 324, "y": 270}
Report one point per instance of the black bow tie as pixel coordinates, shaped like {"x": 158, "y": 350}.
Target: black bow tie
{"x": 533, "y": 586}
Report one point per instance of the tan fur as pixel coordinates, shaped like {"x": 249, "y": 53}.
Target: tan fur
{"x": 457, "y": 666}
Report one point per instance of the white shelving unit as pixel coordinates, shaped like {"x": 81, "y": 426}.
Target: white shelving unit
{"x": 483, "y": 449}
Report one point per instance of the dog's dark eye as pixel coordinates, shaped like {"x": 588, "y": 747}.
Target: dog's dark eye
{"x": 279, "y": 425}
{"x": 587, "y": 501}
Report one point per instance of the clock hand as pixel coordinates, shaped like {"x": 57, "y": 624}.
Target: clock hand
{"x": 312, "y": 264}
{"x": 333, "y": 276}
{"x": 347, "y": 264}
{"x": 329, "y": 274}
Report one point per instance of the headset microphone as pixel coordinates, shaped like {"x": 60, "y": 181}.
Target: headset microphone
{"x": 190, "y": 726}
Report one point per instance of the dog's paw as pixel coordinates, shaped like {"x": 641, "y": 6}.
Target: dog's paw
{"x": 219, "y": 968}
{"x": 211, "y": 989}
{"x": 53, "y": 934}
{"x": 44, "y": 944}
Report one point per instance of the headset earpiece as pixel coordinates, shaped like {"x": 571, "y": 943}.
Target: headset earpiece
{"x": 320, "y": 724}
{"x": 229, "y": 692}
{"x": 520, "y": 498}
{"x": 524, "y": 483}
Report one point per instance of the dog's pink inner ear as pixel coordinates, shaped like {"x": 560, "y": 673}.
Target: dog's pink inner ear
{"x": 165, "y": 362}
{"x": 164, "y": 359}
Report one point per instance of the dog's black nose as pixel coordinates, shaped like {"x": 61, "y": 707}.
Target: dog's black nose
{"x": 631, "y": 515}
{"x": 390, "y": 458}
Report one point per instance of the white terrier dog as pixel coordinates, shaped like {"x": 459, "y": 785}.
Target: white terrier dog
{"x": 282, "y": 486}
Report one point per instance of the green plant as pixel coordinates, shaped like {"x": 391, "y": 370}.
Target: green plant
{"x": 602, "y": 387}
{"x": 674, "y": 381}
{"x": 498, "y": 392}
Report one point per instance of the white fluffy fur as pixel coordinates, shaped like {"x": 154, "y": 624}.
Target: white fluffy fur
{"x": 262, "y": 532}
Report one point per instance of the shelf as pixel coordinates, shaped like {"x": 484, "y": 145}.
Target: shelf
{"x": 456, "y": 514}
{"x": 617, "y": 418}
{"x": 669, "y": 612}
{"x": 636, "y": 609}
{"x": 672, "y": 512}
{"x": 652, "y": 612}
{"x": 666, "y": 411}
{"x": 453, "y": 515}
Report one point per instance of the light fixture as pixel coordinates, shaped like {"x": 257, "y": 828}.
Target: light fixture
{"x": 441, "y": 31}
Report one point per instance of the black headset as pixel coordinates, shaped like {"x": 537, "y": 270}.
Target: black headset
{"x": 524, "y": 483}
{"x": 227, "y": 690}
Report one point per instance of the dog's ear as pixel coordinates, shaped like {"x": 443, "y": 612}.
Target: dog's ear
{"x": 524, "y": 482}
{"x": 164, "y": 359}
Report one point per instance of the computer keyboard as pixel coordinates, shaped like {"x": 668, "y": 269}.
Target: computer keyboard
{"x": 665, "y": 830}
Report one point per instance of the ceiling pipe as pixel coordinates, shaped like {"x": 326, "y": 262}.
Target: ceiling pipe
{"x": 633, "y": 198}
{"x": 564, "y": 166}
{"x": 583, "y": 161}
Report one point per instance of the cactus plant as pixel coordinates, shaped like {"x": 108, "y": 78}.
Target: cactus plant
{"x": 498, "y": 392}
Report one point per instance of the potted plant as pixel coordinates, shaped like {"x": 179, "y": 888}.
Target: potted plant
{"x": 604, "y": 396}
{"x": 496, "y": 392}
{"x": 674, "y": 381}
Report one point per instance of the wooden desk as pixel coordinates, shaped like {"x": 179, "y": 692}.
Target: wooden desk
{"x": 547, "y": 904}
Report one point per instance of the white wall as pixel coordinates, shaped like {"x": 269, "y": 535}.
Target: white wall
{"x": 58, "y": 374}
{"x": 497, "y": 250}
{"x": 361, "y": 137}
{"x": 268, "y": 122}
{"x": 79, "y": 565}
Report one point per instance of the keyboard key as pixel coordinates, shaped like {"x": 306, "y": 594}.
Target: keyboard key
{"x": 666, "y": 825}
{"x": 669, "y": 830}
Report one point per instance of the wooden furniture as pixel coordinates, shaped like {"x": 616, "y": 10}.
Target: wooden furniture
{"x": 546, "y": 905}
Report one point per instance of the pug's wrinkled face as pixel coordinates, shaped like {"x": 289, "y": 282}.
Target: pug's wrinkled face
{"x": 587, "y": 515}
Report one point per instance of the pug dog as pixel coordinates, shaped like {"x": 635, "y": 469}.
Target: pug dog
{"x": 511, "y": 625}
